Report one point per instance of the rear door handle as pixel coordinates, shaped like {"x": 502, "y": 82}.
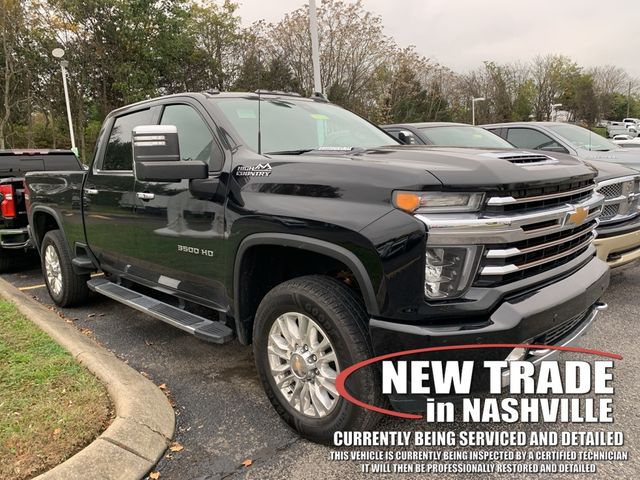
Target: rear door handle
{"x": 145, "y": 196}
{"x": 91, "y": 191}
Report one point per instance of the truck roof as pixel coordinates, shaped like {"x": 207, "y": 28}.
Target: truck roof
{"x": 210, "y": 94}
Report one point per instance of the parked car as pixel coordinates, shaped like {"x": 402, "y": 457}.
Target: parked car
{"x": 618, "y": 234}
{"x": 299, "y": 227}
{"x": 621, "y": 128}
{"x": 14, "y": 235}
{"x": 618, "y": 240}
{"x": 565, "y": 138}
{"x": 445, "y": 134}
{"x": 627, "y": 142}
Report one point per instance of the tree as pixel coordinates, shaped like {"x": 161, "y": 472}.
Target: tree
{"x": 549, "y": 75}
{"x": 11, "y": 26}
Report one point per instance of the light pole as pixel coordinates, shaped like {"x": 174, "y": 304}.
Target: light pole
{"x": 315, "y": 49}
{"x": 59, "y": 53}
{"x": 554, "y": 111}
{"x": 473, "y": 108}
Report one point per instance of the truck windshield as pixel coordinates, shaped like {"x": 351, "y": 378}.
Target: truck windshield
{"x": 463, "y": 136}
{"x": 583, "y": 138}
{"x": 289, "y": 126}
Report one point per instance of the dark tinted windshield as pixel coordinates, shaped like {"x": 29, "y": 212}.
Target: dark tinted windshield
{"x": 583, "y": 138}
{"x": 463, "y": 136}
{"x": 290, "y": 125}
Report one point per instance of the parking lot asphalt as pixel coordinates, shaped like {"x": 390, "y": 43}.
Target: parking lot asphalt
{"x": 224, "y": 418}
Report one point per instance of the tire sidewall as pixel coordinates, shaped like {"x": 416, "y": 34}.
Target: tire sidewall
{"x": 49, "y": 240}
{"x": 343, "y": 413}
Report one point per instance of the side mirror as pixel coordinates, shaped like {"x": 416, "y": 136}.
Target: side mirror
{"x": 554, "y": 148}
{"x": 406, "y": 137}
{"x": 156, "y": 156}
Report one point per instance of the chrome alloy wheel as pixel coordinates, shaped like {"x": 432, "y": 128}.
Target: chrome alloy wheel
{"x": 303, "y": 364}
{"x": 52, "y": 269}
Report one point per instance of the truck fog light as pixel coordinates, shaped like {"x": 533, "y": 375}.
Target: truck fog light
{"x": 448, "y": 271}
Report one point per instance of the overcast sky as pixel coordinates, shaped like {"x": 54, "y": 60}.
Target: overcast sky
{"x": 461, "y": 34}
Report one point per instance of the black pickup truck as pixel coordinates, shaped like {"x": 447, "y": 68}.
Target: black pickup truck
{"x": 294, "y": 225}
{"x": 14, "y": 237}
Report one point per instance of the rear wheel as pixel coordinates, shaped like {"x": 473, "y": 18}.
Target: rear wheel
{"x": 65, "y": 286}
{"x": 307, "y": 330}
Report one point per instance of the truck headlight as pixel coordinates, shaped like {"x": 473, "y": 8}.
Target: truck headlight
{"x": 449, "y": 271}
{"x": 437, "y": 202}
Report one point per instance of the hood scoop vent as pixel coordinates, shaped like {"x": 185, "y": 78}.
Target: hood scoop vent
{"x": 528, "y": 159}
{"x": 523, "y": 158}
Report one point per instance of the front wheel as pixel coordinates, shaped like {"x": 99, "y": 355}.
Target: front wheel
{"x": 65, "y": 286}
{"x": 306, "y": 331}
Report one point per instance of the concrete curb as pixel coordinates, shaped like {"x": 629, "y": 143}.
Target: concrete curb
{"x": 144, "y": 422}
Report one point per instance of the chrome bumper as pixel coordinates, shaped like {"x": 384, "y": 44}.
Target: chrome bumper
{"x": 537, "y": 356}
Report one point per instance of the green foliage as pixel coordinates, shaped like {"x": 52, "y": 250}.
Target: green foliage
{"x": 51, "y": 406}
{"x": 123, "y": 51}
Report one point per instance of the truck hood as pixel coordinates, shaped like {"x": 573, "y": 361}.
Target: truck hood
{"x": 607, "y": 170}
{"x": 482, "y": 169}
{"x": 629, "y": 158}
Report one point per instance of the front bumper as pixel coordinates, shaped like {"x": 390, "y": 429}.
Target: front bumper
{"x": 525, "y": 318}
{"x": 15, "y": 238}
{"x": 619, "y": 250}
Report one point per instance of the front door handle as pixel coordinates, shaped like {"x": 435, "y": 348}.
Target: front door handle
{"x": 91, "y": 191}
{"x": 146, "y": 196}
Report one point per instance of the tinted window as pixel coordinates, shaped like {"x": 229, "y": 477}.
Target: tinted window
{"x": 118, "y": 153}
{"x": 583, "y": 138}
{"x": 463, "y": 136}
{"x": 529, "y": 138}
{"x": 195, "y": 138}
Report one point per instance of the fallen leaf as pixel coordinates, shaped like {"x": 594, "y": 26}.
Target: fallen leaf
{"x": 247, "y": 463}
{"x": 176, "y": 447}
{"x": 56, "y": 432}
{"x": 154, "y": 475}
{"x": 91, "y": 315}
{"x": 162, "y": 386}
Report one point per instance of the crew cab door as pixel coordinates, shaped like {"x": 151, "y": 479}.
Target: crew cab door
{"x": 180, "y": 234}
{"x": 108, "y": 197}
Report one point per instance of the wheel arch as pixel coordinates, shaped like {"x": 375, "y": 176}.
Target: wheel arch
{"x": 44, "y": 219}
{"x": 299, "y": 242}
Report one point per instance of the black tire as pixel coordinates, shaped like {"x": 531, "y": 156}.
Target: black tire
{"x": 8, "y": 260}
{"x": 74, "y": 290}
{"x": 341, "y": 314}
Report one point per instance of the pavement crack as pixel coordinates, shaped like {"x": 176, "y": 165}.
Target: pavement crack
{"x": 125, "y": 447}
{"x": 268, "y": 455}
{"x": 167, "y": 439}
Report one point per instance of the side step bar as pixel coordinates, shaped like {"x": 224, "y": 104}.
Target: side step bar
{"x": 202, "y": 328}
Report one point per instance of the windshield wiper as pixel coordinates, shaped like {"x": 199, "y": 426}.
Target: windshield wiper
{"x": 291, "y": 152}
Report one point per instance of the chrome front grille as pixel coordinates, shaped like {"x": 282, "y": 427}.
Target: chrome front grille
{"x": 621, "y": 199}
{"x": 526, "y": 242}
{"x": 533, "y": 198}
{"x": 507, "y": 263}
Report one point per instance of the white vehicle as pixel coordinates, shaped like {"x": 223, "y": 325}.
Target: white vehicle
{"x": 628, "y": 143}
{"x": 621, "y": 137}
{"x": 631, "y": 121}
{"x": 620, "y": 128}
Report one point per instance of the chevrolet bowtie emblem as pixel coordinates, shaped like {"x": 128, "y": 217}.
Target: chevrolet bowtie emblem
{"x": 579, "y": 216}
